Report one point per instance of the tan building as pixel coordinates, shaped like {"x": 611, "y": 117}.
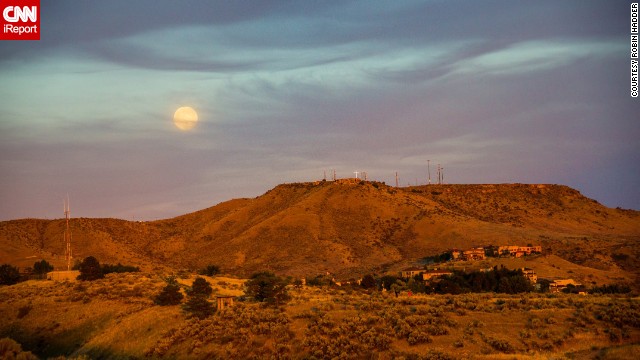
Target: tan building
{"x": 224, "y": 301}
{"x": 473, "y": 254}
{"x": 411, "y": 272}
{"x": 70, "y": 275}
{"x": 428, "y": 275}
{"x": 530, "y": 274}
{"x": 559, "y": 284}
{"x": 518, "y": 251}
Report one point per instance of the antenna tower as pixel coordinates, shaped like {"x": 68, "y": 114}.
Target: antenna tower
{"x": 67, "y": 232}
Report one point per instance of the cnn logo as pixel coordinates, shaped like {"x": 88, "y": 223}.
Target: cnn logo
{"x": 15, "y": 13}
{"x": 20, "y": 20}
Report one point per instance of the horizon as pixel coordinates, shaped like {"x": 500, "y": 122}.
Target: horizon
{"x": 496, "y": 92}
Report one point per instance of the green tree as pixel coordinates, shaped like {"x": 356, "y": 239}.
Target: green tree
{"x": 368, "y": 282}
{"x": 210, "y": 270}
{"x": 200, "y": 287}
{"x": 199, "y": 307}
{"x": 170, "y": 294}
{"x": 9, "y": 275}
{"x": 267, "y": 287}
{"x": 41, "y": 268}
{"x": 90, "y": 269}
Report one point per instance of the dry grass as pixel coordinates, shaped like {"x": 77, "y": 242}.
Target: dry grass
{"x": 115, "y": 317}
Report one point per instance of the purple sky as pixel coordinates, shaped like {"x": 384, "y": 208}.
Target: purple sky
{"x": 495, "y": 91}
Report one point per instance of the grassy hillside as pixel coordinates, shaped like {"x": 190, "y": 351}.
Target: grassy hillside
{"x": 115, "y": 318}
{"x": 347, "y": 227}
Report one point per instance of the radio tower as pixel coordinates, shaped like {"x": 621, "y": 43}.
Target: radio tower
{"x": 67, "y": 233}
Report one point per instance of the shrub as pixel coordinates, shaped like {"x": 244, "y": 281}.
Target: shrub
{"x": 199, "y": 306}
{"x": 9, "y": 275}
{"x": 170, "y": 294}
{"x": 267, "y": 287}
{"x": 201, "y": 287}
{"x": 42, "y": 267}
{"x": 90, "y": 269}
{"x": 9, "y": 349}
{"x": 108, "y": 268}
{"x": 210, "y": 270}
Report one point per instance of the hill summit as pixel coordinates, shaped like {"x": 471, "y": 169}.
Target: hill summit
{"x": 347, "y": 227}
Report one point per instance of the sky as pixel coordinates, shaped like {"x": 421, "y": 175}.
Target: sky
{"x": 494, "y": 91}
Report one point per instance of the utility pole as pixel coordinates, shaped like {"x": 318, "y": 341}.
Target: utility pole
{"x": 67, "y": 232}
{"x": 396, "y": 179}
{"x": 439, "y": 182}
{"x": 334, "y": 174}
{"x": 429, "y": 171}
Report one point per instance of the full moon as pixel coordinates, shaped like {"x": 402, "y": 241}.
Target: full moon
{"x": 185, "y": 118}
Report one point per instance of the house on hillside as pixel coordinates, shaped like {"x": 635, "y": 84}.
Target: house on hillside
{"x": 518, "y": 251}
{"x": 431, "y": 274}
{"x": 473, "y": 254}
{"x": 530, "y": 274}
{"x": 558, "y": 285}
{"x": 411, "y": 272}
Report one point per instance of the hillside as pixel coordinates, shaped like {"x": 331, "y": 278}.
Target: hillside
{"x": 348, "y": 227}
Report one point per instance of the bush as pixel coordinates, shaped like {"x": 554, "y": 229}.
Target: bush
{"x": 267, "y": 287}
{"x": 199, "y": 306}
{"x": 210, "y": 270}
{"x": 9, "y": 275}
{"x": 42, "y": 267}
{"x": 9, "y": 349}
{"x": 200, "y": 287}
{"x": 170, "y": 294}
{"x": 90, "y": 269}
{"x": 108, "y": 268}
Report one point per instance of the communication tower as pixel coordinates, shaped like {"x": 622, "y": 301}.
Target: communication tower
{"x": 67, "y": 232}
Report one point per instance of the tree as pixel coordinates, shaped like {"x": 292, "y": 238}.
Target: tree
{"x": 267, "y": 287}
{"x": 210, "y": 270}
{"x": 170, "y": 294}
{"x": 368, "y": 282}
{"x": 9, "y": 275}
{"x": 198, "y": 306}
{"x": 90, "y": 269}
{"x": 42, "y": 267}
{"x": 201, "y": 287}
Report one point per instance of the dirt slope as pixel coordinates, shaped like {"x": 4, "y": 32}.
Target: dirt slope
{"x": 347, "y": 227}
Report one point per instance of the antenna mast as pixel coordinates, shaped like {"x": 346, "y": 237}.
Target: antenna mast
{"x": 67, "y": 232}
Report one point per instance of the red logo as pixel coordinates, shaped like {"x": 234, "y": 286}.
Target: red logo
{"x": 20, "y": 20}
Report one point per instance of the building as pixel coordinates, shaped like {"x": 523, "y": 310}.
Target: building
{"x": 518, "y": 251}
{"x": 530, "y": 274}
{"x": 224, "y": 301}
{"x": 70, "y": 275}
{"x": 559, "y": 284}
{"x": 411, "y": 272}
{"x": 431, "y": 274}
{"x": 473, "y": 254}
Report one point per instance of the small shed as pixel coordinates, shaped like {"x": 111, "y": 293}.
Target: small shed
{"x": 224, "y": 301}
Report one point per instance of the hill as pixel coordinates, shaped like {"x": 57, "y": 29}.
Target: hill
{"x": 348, "y": 227}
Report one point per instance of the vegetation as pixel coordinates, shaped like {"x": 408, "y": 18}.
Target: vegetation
{"x": 90, "y": 269}
{"x": 41, "y": 268}
{"x": 267, "y": 287}
{"x": 108, "y": 268}
{"x": 170, "y": 294}
{"x": 210, "y": 270}
{"x": 9, "y": 275}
